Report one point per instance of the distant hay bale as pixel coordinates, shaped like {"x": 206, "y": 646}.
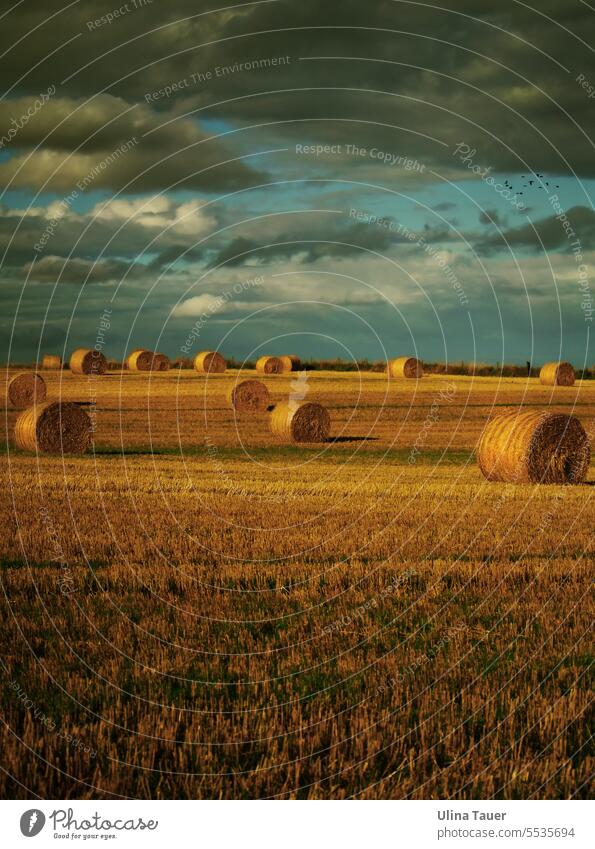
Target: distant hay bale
{"x": 210, "y": 362}
{"x": 305, "y": 422}
{"x": 140, "y": 360}
{"x": 51, "y": 361}
{"x": 408, "y": 367}
{"x": 249, "y": 396}
{"x": 87, "y": 361}
{"x": 53, "y": 427}
{"x": 557, "y": 374}
{"x": 161, "y": 362}
{"x": 287, "y": 363}
{"x": 25, "y": 389}
{"x": 534, "y": 447}
{"x": 271, "y": 365}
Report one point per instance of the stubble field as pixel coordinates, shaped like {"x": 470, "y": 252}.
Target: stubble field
{"x": 195, "y": 609}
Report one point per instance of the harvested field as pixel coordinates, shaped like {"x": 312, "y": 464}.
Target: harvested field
{"x": 214, "y": 614}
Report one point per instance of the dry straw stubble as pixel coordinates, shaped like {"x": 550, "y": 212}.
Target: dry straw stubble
{"x": 210, "y": 362}
{"x": 87, "y": 361}
{"x": 271, "y": 365}
{"x": 53, "y": 427}
{"x": 249, "y": 396}
{"x": 25, "y": 389}
{"x": 305, "y": 422}
{"x": 408, "y": 367}
{"x": 557, "y": 374}
{"x": 534, "y": 447}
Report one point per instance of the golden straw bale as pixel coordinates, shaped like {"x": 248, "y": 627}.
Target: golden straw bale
{"x": 557, "y": 374}
{"x": 270, "y": 365}
{"x": 53, "y": 427}
{"x": 161, "y": 362}
{"x": 51, "y": 361}
{"x": 87, "y": 361}
{"x": 534, "y": 447}
{"x": 249, "y": 396}
{"x": 25, "y": 389}
{"x": 405, "y": 367}
{"x": 140, "y": 360}
{"x": 287, "y": 363}
{"x": 210, "y": 362}
{"x": 301, "y": 422}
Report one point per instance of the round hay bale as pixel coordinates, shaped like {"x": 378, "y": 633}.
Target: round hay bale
{"x": 210, "y": 362}
{"x": 140, "y": 360}
{"x": 87, "y": 361}
{"x": 249, "y": 396}
{"x": 296, "y": 363}
{"x": 305, "y": 422}
{"x": 287, "y": 363}
{"x": 557, "y": 374}
{"x": 405, "y": 367}
{"x": 534, "y": 447}
{"x": 52, "y": 361}
{"x": 53, "y": 427}
{"x": 161, "y": 362}
{"x": 270, "y": 365}
{"x": 25, "y": 389}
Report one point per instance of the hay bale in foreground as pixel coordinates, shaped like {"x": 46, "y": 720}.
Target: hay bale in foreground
{"x": 305, "y": 422}
{"x": 249, "y": 396}
{"x": 87, "y": 361}
{"x": 210, "y": 362}
{"x": 408, "y": 367}
{"x": 161, "y": 362}
{"x": 140, "y": 360}
{"x": 534, "y": 447}
{"x": 53, "y": 427}
{"x": 51, "y": 361}
{"x": 270, "y": 365}
{"x": 557, "y": 374}
{"x": 25, "y": 389}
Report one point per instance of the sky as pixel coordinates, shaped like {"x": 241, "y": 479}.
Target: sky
{"x": 354, "y": 180}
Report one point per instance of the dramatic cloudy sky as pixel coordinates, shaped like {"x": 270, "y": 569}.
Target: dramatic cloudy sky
{"x": 145, "y": 170}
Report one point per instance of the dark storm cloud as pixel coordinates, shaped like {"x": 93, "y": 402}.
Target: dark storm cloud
{"x": 53, "y": 269}
{"x": 490, "y": 216}
{"x": 436, "y": 72}
{"x": 550, "y": 232}
{"x": 320, "y": 240}
{"x": 108, "y": 143}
